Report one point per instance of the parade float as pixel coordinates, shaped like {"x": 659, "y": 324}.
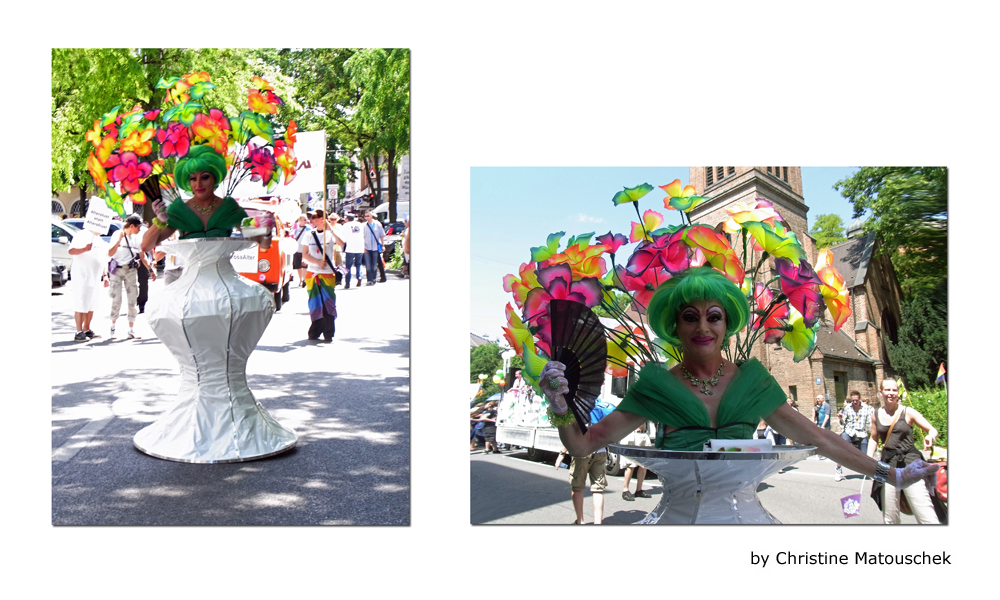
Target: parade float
{"x": 211, "y": 318}
{"x": 754, "y": 249}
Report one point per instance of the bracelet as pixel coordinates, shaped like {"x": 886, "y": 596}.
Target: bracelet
{"x": 562, "y": 420}
{"x": 881, "y": 471}
{"x": 159, "y": 224}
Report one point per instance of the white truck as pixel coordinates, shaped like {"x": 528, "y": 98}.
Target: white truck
{"x": 522, "y": 421}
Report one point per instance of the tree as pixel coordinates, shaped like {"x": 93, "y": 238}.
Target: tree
{"x": 89, "y": 82}
{"x": 324, "y": 101}
{"x": 622, "y": 302}
{"x": 922, "y": 342}
{"x": 361, "y": 98}
{"x": 909, "y": 207}
{"x": 485, "y": 360}
{"x": 828, "y": 230}
{"x": 382, "y": 78}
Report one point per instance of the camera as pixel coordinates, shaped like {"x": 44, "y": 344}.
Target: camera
{"x": 134, "y": 263}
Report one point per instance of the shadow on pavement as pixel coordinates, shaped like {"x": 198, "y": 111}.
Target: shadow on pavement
{"x": 350, "y": 465}
{"x": 492, "y": 500}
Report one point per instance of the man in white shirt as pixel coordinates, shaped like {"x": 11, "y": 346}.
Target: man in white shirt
{"x": 374, "y": 238}
{"x": 856, "y": 419}
{"x": 353, "y": 233}
{"x": 87, "y": 271}
{"x": 126, "y": 251}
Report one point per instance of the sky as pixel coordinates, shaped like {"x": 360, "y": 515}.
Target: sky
{"x": 515, "y": 208}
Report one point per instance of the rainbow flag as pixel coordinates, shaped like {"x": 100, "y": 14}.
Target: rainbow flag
{"x": 940, "y": 377}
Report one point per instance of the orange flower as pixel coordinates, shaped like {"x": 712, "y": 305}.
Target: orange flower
{"x": 139, "y": 142}
{"x": 94, "y": 135}
{"x": 833, "y": 289}
{"x": 260, "y": 104}
{"x": 97, "y": 171}
{"x": 193, "y": 78}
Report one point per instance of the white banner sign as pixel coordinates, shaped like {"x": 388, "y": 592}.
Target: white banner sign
{"x": 99, "y": 216}
{"x": 245, "y": 261}
{"x": 403, "y": 191}
{"x": 310, "y": 150}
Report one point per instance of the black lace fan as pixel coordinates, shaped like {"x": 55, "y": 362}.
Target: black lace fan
{"x": 578, "y": 342}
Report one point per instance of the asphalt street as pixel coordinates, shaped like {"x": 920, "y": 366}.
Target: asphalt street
{"x": 348, "y": 401}
{"x": 509, "y": 489}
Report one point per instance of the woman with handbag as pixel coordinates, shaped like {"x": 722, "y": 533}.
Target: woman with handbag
{"x": 321, "y": 252}
{"x": 892, "y": 425}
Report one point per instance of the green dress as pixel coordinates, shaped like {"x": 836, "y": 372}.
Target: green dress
{"x": 662, "y": 397}
{"x": 181, "y": 217}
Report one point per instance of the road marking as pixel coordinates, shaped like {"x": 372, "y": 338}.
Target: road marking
{"x": 80, "y": 439}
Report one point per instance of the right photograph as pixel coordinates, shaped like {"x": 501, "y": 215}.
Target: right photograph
{"x": 708, "y": 345}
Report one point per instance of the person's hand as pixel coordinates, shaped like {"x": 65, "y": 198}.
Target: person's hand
{"x": 88, "y": 247}
{"x": 160, "y": 209}
{"x": 913, "y": 473}
{"x": 929, "y": 441}
{"x": 152, "y": 273}
{"x": 554, "y": 386}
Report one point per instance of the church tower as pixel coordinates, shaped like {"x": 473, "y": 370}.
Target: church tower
{"x": 782, "y": 186}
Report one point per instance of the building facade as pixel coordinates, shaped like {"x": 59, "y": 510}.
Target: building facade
{"x": 853, "y": 358}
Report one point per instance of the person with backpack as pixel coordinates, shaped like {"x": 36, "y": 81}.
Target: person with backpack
{"x": 374, "y": 238}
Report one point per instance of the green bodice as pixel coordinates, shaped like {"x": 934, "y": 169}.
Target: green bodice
{"x": 227, "y": 215}
{"x": 660, "y": 396}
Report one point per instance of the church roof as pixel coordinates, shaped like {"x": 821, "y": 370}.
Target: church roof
{"x": 838, "y": 344}
{"x": 852, "y": 258}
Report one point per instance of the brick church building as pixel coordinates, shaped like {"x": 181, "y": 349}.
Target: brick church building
{"x": 854, "y": 358}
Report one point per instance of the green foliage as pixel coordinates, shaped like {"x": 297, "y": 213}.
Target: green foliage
{"x": 361, "y": 97}
{"x": 828, "y": 230}
{"x": 382, "y": 80}
{"x": 325, "y": 100}
{"x": 923, "y": 341}
{"x": 622, "y": 302}
{"x": 909, "y": 208}
{"x": 88, "y": 82}
{"x": 396, "y": 262}
{"x": 932, "y": 403}
{"x": 485, "y": 360}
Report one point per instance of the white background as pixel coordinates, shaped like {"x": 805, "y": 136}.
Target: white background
{"x": 536, "y": 83}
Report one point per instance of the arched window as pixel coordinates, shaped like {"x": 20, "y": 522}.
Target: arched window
{"x": 76, "y": 209}
{"x": 57, "y": 207}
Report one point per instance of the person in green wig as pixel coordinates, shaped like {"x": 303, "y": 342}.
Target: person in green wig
{"x": 205, "y": 214}
{"x": 705, "y": 397}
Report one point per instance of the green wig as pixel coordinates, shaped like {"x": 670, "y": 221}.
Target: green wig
{"x": 199, "y": 158}
{"x": 694, "y": 285}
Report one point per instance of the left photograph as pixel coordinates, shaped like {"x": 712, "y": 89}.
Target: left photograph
{"x": 214, "y": 361}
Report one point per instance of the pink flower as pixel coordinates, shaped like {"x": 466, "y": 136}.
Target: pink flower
{"x": 130, "y": 172}
{"x": 801, "y": 285}
{"x": 263, "y": 164}
{"x": 174, "y": 140}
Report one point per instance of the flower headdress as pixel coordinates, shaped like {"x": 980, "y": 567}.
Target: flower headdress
{"x": 784, "y": 309}
{"x": 132, "y": 147}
